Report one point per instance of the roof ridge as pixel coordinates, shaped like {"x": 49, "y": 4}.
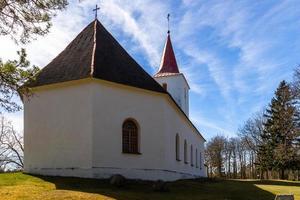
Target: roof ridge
{"x": 94, "y": 49}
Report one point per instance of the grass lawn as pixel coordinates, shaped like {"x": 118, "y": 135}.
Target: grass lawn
{"x": 22, "y": 186}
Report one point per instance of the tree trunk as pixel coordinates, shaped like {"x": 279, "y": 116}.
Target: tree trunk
{"x": 261, "y": 174}
{"x": 282, "y": 174}
{"x": 229, "y": 171}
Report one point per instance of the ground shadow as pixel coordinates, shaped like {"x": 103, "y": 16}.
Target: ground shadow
{"x": 183, "y": 189}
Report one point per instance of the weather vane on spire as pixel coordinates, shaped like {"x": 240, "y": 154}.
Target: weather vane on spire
{"x": 168, "y": 17}
{"x": 96, "y": 11}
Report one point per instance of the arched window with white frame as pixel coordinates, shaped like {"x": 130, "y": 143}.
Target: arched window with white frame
{"x": 130, "y": 137}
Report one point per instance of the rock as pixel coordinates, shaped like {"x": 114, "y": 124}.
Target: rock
{"x": 117, "y": 180}
{"x": 160, "y": 186}
{"x": 284, "y": 197}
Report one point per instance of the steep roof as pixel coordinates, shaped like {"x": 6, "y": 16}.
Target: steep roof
{"x": 95, "y": 53}
{"x": 168, "y": 63}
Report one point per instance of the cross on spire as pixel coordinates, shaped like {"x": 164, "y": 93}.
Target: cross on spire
{"x": 96, "y": 11}
{"x": 168, "y": 17}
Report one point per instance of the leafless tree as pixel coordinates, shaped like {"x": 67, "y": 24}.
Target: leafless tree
{"x": 11, "y": 146}
{"x": 215, "y": 155}
{"x": 252, "y": 130}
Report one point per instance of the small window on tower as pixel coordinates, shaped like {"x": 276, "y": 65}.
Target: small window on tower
{"x": 165, "y": 86}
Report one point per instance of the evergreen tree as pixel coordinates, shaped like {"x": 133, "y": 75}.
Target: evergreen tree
{"x": 13, "y": 75}
{"x": 278, "y": 151}
{"x": 22, "y": 21}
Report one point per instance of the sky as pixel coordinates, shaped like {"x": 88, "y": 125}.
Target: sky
{"x": 233, "y": 53}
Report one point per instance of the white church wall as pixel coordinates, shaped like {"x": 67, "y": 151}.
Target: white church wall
{"x": 57, "y": 128}
{"x": 119, "y": 103}
{"x": 75, "y": 129}
{"x": 178, "y": 88}
{"x": 159, "y": 121}
{"x": 179, "y": 125}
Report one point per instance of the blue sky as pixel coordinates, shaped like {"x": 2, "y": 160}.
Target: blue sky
{"x": 233, "y": 53}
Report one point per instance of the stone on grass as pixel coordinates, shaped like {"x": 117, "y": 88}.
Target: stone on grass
{"x": 160, "y": 186}
{"x": 117, "y": 180}
{"x": 284, "y": 197}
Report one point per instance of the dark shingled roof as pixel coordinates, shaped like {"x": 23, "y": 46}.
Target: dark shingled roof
{"x": 95, "y": 53}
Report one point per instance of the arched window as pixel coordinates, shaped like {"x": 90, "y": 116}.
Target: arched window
{"x": 185, "y": 152}
{"x": 177, "y": 143}
{"x": 197, "y": 164}
{"x": 200, "y": 160}
{"x": 130, "y": 137}
{"x": 192, "y": 161}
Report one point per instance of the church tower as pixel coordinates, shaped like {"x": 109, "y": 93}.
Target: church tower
{"x": 171, "y": 79}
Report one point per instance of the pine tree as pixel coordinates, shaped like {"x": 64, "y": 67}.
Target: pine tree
{"x": 278, "y": 151}
{"x": 23, "y": 20}
{"x": 13, "y": 75}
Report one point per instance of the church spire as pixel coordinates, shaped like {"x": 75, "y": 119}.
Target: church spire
{"x": 168, "y": 61}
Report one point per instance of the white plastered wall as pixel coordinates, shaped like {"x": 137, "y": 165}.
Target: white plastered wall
{"x": 113, "y": 104}
{"x": 178, "y": 88}
{"x": 58, "y": 128}
{"x": 179, "y": 125}
{"x": 75, "y": 129}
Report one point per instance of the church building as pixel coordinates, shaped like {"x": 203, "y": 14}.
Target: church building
{"x": 94, "y": 112}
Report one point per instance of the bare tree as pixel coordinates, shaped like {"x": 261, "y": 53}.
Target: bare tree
{"x": 252, "y": 130}
{"x": 11, "y": 146}
{"x": 231, "y": 157}
{"x": 215, "y": 155}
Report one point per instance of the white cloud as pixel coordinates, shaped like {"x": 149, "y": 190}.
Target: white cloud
{"x": 235, "y": 26}
{"x": 143, "y": 29}
{"x": 215, "y": 67}
{"x": 207, "y": 126}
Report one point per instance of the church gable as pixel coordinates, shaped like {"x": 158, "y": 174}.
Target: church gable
{"x": 95, "y": 53}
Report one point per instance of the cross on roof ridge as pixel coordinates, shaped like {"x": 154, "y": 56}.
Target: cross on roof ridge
{"x": 96, "y": 11}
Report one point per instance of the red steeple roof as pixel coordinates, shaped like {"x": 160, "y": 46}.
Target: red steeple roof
{"x": 168, "y": 63}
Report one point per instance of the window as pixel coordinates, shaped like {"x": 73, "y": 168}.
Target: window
{"x": 130, "y": 137}
{"x": 185, "y": 152}
{"x": 200, "y": 160}
{"x": 192, "y": 161}
{"x": 177, "y": 143}
{"x": 197, "y": 164}
{"x": 165, "y": 86}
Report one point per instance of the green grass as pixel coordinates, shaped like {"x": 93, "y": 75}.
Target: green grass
{"x": 23, "y": 186}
